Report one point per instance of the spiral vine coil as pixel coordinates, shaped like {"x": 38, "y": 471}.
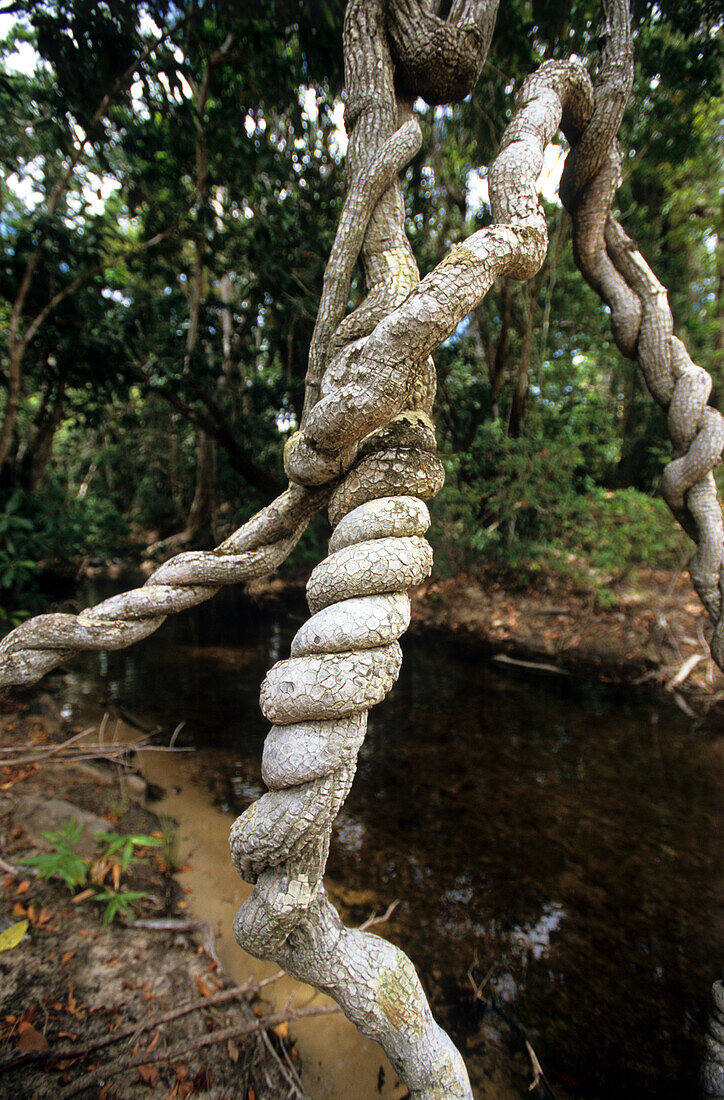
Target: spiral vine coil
{"x": 343, "y": 660}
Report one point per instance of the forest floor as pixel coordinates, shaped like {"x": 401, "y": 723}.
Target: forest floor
{"x": 122, "y": 1010}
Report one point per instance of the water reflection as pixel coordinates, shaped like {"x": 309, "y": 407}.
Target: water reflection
{"x": 558, "y": 839}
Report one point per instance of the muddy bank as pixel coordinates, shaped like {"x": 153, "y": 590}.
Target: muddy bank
{"x": 150, "y": 999}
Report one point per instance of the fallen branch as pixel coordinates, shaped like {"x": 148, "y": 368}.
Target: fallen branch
{"x": 134, "y": 1030}
{"x": 181, "y": 1050}
{"x": 539, "y": 666}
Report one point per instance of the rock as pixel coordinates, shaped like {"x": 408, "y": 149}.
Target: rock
{"x": 44, "y": 815}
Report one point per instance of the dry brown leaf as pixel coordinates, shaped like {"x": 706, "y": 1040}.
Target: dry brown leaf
{"x": 154, "y": 1041}
{"x": 23, "y": 888}
{"x": 202, "y": 987}
{"x": 148, "y": 1074}
{"x": 281, "y": 1030}
{"x": 82, "y": 897}
{"x": 233, "y": 1051}
{"x": 30, "y": 1039}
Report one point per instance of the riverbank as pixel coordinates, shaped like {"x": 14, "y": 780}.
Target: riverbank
{"x": 650, "y": 636}
{"x": 135, "y": 1004}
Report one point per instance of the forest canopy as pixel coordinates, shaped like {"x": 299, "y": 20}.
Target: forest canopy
{"x": 172, "y": 176}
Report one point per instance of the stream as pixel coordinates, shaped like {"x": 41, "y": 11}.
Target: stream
{"x": 546, "y": 838}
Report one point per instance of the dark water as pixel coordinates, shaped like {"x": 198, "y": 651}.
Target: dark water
{"x": 544, "y": 833}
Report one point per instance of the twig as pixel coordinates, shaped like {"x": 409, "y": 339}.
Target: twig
{"x": 16, "y": 872}
{"x": 175, "y": 734}
{"x": 374, "y": 919}
{"x": 685, "y": 671}
{"x": 539, "y": 1077}
{"x": 181, "y": 1050}
{"x": 540, "y": 666}
{"x": 133, "y": 1030}
{"x": 170, "y": 924}
{"x": 41, "y": 754}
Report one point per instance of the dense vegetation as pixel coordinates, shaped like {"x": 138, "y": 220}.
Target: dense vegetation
{"x": 171, "y": 181}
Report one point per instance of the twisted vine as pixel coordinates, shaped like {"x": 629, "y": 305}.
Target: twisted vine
{"x": 366, "y": 447}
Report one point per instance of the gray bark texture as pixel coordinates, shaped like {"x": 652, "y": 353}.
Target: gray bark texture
{"x": 366, "y": 449}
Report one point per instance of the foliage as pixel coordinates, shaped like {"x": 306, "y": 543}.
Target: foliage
{"x": 207, "y": 330}
{"x": 116, "y": 853}
{"x": 528, "y": 507}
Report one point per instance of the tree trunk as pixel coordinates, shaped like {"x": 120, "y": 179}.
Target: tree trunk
{"x": 519, "y": 400}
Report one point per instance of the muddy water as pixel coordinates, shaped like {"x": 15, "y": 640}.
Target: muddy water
{"x": 544, "y": 835}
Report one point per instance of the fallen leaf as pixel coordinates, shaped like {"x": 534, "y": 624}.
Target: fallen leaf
{"x": 32, "y": 915}
{"x": 30, "y": 1039}
{"x": 67, "y": 957}
{"x": 251, "y": 1095}
{"x": 153, "y": 1042}
{"x": 23, "y": 888}
{"x": 202, "y": 987}
{"x": 82, "y": 897}
{"x": 281, "y": 1030}
{"x": 182, "y": 905}
{"x": 12, "y": 936}
{"x": 233, "y": 1051}
{"x": 185, "y": 1089}
{"x": 148, "y": 1074}
{"x": 19, "y": 910}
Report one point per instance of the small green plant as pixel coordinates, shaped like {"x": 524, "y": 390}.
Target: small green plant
{"x": 119, "y": 847}
{"x": 116, "y": 853}
{"x": 118, "y": 901}
{"x": 63, "y": 861}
